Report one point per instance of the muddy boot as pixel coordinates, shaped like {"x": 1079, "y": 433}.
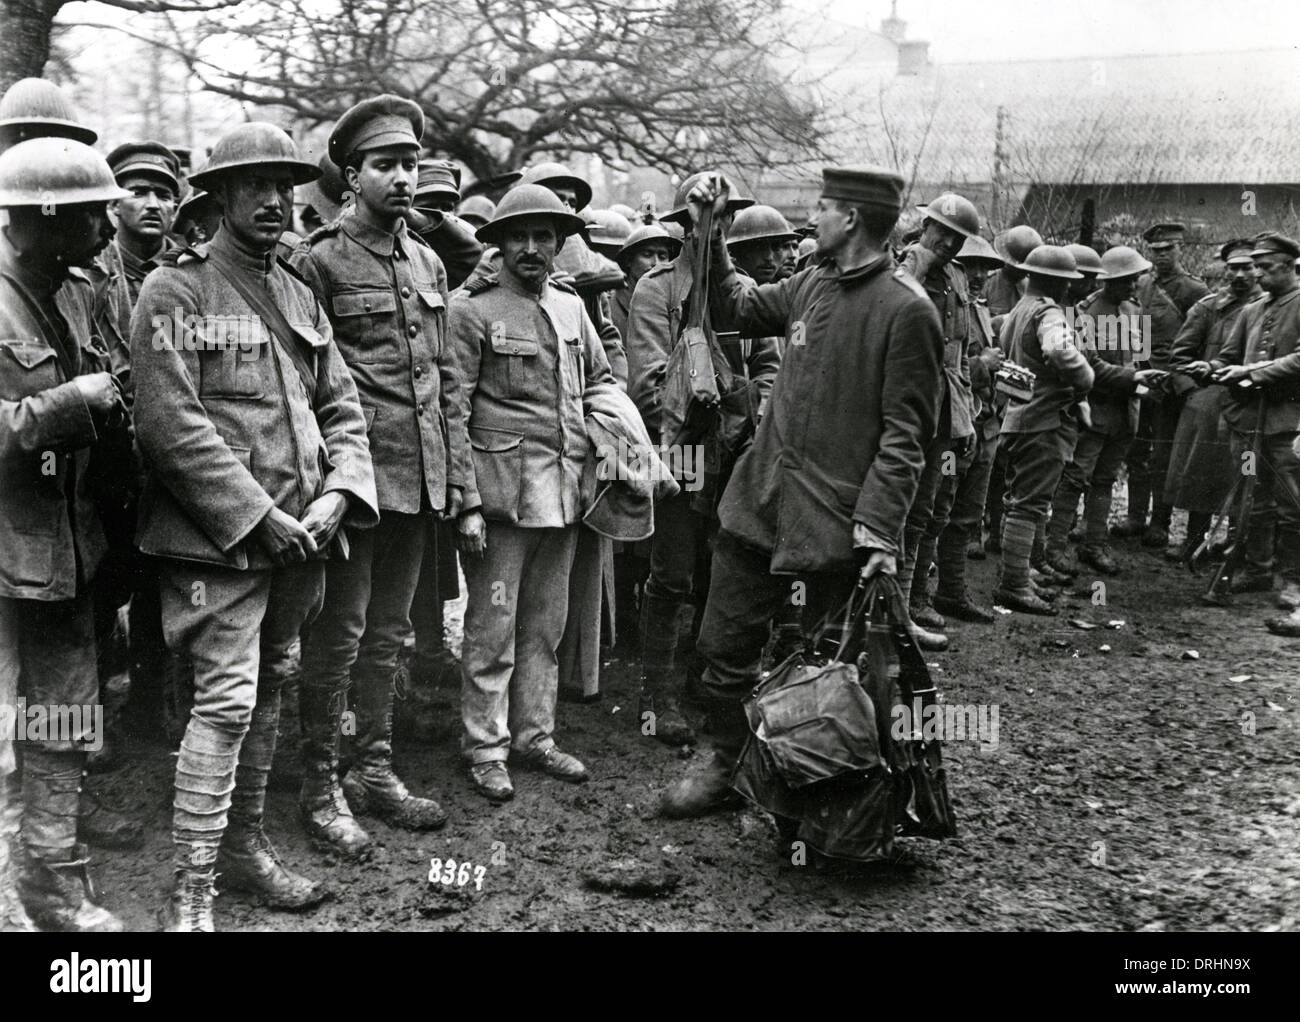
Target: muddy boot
{"x": 924, "y": 614}
{"x": 53, "y": 883}
{"x": 188, "y": 908}
{"x": 1014, "y": 590}
{"x": 1098, "y": 556}
{"x": 659, "y": 715}
{"x": 1057, "y": 554}
{"x": 371, "y": 787}
{"x": 705, "y": 789}
{"x": 324, "y": 811}
{"x": 951, "y": 597}
{"x": 105, "y": 826}
{"x": 13, "y": 917}
{"x": 1288, "y": 626}
{"x": 247, "y": 860}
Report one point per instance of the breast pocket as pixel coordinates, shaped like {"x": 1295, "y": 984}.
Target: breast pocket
{"x": 232, "y": 360}
{"x": 365, "y": 325}
{"x": 434, "y": 311}
{"x": 517, "y": 365}
{"x": 26, "y": 368}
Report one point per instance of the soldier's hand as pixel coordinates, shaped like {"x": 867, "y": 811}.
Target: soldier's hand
{"x": 992, "y": 359}
{"x": 284, "y": 538}
{"x": 1198, "y": 369}
{"x": 878, "y": 562}
{"x": 455, "y": 501}
{"x": 1150, "y": 376}
{"x": 101, "y": 392}
{"x": 472, "y": 531}
{"x": 713, "y": 190}
{"x": 324, "y": 516}
{"x": 1231, "y": 374}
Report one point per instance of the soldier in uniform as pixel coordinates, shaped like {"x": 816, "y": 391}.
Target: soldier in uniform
{"x": 476, "y": 210}
{"x": 1165, "y": 297}
{"x": 820, "y": 497}
{"x": 657, "y": 315}
{"x": 1038, "y": 434}
{"x": 948, "y": 222}
{"x": 1200, "y": 467}
{"x": 437, "y": 187}
{"x": 758, "y": 242}
{"x": 385, "y": 295}
{"x": 255, "y": 446}
{"x": 1109, "y": 327}
{"x": 149, "y": 171}
{"x": 646, "y": 247}
{"x": 530, "y": 358}
{"x": 60, "y": 410}
{"x": 1263, "y": 350}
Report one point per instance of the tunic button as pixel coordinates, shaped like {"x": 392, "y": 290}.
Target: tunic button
{"x": 413, "y": 330}
{"x": 419, "y": 370}
{"x": 420, "y": 410}
{"x": 367, "y": 306}
{"x": 406, "y": 292}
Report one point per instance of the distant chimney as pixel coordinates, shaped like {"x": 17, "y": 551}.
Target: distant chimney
{"x": 893, "y": 28}
{"x": 913, "y": 57}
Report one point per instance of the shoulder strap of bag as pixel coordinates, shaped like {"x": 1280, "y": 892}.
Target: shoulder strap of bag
{"x": 698, "y": 305}
{"x": 261, "y": 302}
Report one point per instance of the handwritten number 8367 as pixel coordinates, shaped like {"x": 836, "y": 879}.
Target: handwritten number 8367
{"x": 451, "y": 872}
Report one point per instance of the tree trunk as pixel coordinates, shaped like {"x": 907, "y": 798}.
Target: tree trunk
{"x": 25, "y": 38}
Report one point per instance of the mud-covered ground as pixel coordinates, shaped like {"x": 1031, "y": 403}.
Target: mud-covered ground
{"x": 1137, "y": 788}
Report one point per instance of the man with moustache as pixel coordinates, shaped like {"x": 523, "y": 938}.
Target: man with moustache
{"x": 1261, "y": 362}
{"x": 531, "y": 360}
{"x": 149, "y": 171}
{"x": 1200, "y": 466}
{"x": 386, "y": 298}
{"x": 255, "y": 449}
{"x": 59, "y": 410}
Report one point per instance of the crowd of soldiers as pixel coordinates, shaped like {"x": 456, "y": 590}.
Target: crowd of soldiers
{"x": 267, "y": 452}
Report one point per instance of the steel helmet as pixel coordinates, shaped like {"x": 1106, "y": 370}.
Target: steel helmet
{"x": 606, "y": 229}
{"x": 196, "y": 205}
{"x": 559, "y": 176}
{"x": 255, "y": 144}
{"x": 1086, "y": 258}
{"x": 954, "y": 212}
{"x": 1051, "y": 261}
{"x": 645, "y": 234}
{"x": 1122, "y": 261}
{"x": 976, "y": 250}
{"x": 476, "y": 210}
{"x": 679, "y": 211}
{"x": 525, "y": 200}
{"x": 626, "y": 212}
{"x": 760, "y": 223}
{"x": 58, "y": 171}
{"x": 35, "y": 108}
{"x": 1015, "y": 244}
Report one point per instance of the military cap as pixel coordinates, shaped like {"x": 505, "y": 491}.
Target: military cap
{"x": 976, "y": 250}
{"x": 1236, "y": 251}
{"x": 184, "y": 156}
{"x": 476, "y": 210}
{"x": 645, "y": 235}
{"x": 1272, "y": 243}
{"x": 530, "y": 200}
{"x": 35, "y": 108}
{"x": 376, "y": 123}
{"x": 151, "y": 158}
{"x": 438, "y": 177}
{"x": 253, "y": 144}
{"x": 864, "y": 185}
{"x": 557, "y": 175}
{"x": 1159, "y": 236}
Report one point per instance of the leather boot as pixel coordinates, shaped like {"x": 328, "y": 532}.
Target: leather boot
{"x": 705, "y": 789}
{"x": 13, "y": 917}
{"x": 247, "y": 860}
{"x": 1098, "y": 556}
{"x": 658, "y": 713}
{"x": 951, "y": 597}
{"x": 188, "y": 908}
{"x": 59, "y": 894}
{"x": 105, "y": 826}
{"x": 324, "y": 811}
{"x": 1157, "y": 533}
{"x": 371, "y": 787}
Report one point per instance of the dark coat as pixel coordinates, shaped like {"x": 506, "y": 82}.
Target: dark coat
{"x": 1268, "y": 330}
{"x": 1111, "y": 345}
{"x": 849, "y": 418}
{"x": 223, "y": 419}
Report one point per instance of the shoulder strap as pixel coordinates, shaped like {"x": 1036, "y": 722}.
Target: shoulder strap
{"x": 261, "y": 302}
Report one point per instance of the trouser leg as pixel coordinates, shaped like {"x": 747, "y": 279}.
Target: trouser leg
{"x": 1034, "y": 465}
{"x": 669, "y": 603}
{"x": 964, "y": 520}
{"x": 940, "y": 462}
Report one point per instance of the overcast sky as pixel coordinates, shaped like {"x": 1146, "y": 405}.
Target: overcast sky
{"x": 962, "y": 30}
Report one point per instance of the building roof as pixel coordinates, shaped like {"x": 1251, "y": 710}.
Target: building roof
{"x": 1206, "y": 118}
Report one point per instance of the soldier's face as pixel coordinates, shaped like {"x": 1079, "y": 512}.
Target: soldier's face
{"x": 977, "y": 275}
{"x": 84, "y": 230}
{"x": 441, "y": 203}
{"x": 943, "y": 241}
{"x": 830, "y": 223}
{"x": 760, "y": 259}
{"x": 645, "y": 259}
{"x": 148, "y": 213}
{"x": 789, "y": 259}
{"x": 1276, "y": 273}
{"x": 1121, "y": 289}
{"x": 569, "y": 196}
{"x": 258, "y": 206}
{"x": 528, "y": 249}
{"x": 385, "y": 181}
{"x": 1081, "y": 289}
{"x": 1164, "y": 259}
{"x": 1241, "y": 277}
